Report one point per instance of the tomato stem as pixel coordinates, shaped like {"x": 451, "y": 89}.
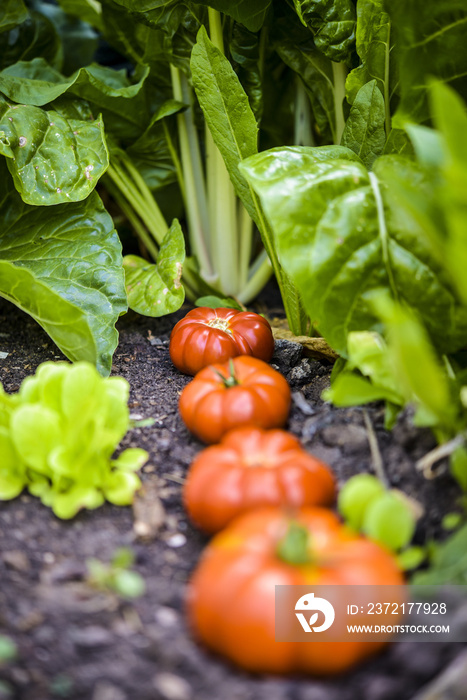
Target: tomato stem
{"x": 231, "y": 380}
{"x": 294, "y": 547}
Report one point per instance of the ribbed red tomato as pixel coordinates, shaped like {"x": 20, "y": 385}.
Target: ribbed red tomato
{"x": 206, "y": 336}
{"x": 231, "y": 596}
{"x": 242, "y": 391}
{"x": 252, "y": 468}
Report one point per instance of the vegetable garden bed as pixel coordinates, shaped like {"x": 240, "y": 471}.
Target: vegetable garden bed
{"x": 75, "y": 641}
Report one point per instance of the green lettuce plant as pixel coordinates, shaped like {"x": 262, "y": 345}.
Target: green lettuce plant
{"x": 58, "y": 435}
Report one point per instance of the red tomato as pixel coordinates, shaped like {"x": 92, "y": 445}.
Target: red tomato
{"x": 242, "y": 391}
{"x": 231, "y": 596}
{"x": 250, "y": 468}
{"x": 206, "y": 336}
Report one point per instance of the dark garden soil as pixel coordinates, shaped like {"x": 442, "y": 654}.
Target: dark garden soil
{"x": 76, "y": 642}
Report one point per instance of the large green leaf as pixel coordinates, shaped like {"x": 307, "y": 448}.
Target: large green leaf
{"x": 227, "y": 112}
{"x": 156, "y": 290}
{"x": 87, "y": 10}
{"x": 341, "y": 232}
{"x": 35, "y": 36}
{"x": 245, "y": 53}
{"x": 51, "y": 158}
{"x": 14, "y": 12}
{"x": 375, "y": 47}
{"x": 364, "y": 130}
{"x": 430, "y": 36}
{"x": 36, "y": 83}
{"x": 296, "y": 47}
{"x": 66, "y": 323}
{"x": 74, "y": 252}
{"x": 151, "y": 153}
{"x": 333, "y": 25}
{"x": 251, "y": 14}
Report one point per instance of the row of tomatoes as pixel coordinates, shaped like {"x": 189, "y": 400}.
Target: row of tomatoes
{"x": 265, "y": 497}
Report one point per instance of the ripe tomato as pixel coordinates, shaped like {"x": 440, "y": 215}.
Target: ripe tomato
{"x": 205, "y": 336}
{"x": 250, "y": 468}
{"x": 242, "y": 391}
{"x": 231, "y": 596}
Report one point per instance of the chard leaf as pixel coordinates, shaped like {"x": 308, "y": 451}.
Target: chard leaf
{"x": 156, "y": 290}
{"x": 375, "y": 47}
{"x": 151, "y": 153}
{"x": 36, "y": 83}
{"x": 332, "y": 24}
{"x": 63, "y": 321}
{"x": 342, "y": 232}
{"x": 430, "y": 36}
{"x": 296, "y": 48}
{"x": 251, "y": 14}
{"x": 245, "y": 52}
{"x": 87, "y": 10}
{"x": 14, "y": 12}
{"x": 364, "y": 130}
{"x": 52, "y": 159}
{"x": 63, "y": 265}
{"x": 35, "y": 36}
{"x": 233, "y": 127}
{"x": 227, "y": 112}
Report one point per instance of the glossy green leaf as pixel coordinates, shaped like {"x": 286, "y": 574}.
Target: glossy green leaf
{"x": 428, "y": 145}
{"x": 431, "y": 43}
{"x": 449, "y": 562}
{"x": 376, "y": 49}
{"x": 14, "y": 12}
{"x": 450, "y": 117}
{"x": 156, "y": 290}
{"x": 250, "y": 14}
{"x": 66, "y": 324}
{"x": 415, "y": 363}
{"x": 52, "y": 159}
{"x": 342, "y": 232}
{"x": 227, "y": 112}
{"x": 35, "y": 36}
{"x": 214, "y": 302}
{"x": 351, "y": 390}
{"x": 87, "y": 10}
{"x": 63, "y": 265}
{"x": 364, "y": 130}
{"x": 332, "y": 23}
{"x": 151, "y": 153}
{"x": 297, "y": 50}
{"x": 458, "y": 464}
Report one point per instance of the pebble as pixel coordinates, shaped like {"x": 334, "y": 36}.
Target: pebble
{"x": 177, "y": 540}
{"x": 106, "y": 691}
{"x": 92, "y": 636}
{"x": 16, "y": 559}
{"x": 166, "y": 617}
{"x": 172, "y": 687}
{"x": 351, "y": 437}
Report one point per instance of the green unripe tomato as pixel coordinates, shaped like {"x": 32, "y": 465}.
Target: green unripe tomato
{"x": 389, "y": 521}
{"x": 355, "y": 497}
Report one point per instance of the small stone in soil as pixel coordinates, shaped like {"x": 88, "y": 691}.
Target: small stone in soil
{"x": 172, "y": 687}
